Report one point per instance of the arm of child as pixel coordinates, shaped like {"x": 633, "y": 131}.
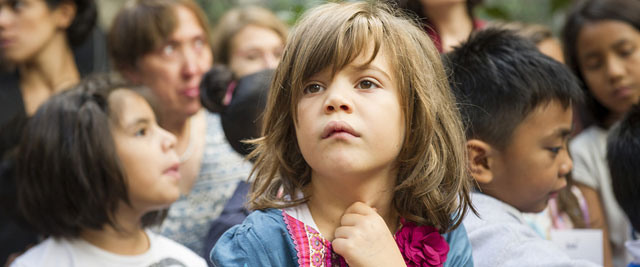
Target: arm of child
{"x": 597, "y": 219}
{"x": 364, "y": 239}
{"x": 239, "y": 246}
{"x": 261, "y": 240}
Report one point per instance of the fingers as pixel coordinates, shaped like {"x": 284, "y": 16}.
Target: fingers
{"x": 342, "y": 247}
{"x": 351, "y": 219}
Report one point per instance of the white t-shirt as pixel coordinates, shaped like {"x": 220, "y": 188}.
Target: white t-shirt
{"x": 589, "y": 150}
{"x": 77, "y": 252}
{"x": 502, "y": 237}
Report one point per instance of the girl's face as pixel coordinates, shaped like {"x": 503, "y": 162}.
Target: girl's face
{"x": 27, "y": 26}
{"x": 253, "y": 49}
{"x": 608, "y": 54}
{"x": 174, "y": 71}
{"x": 146, "y": 152}
{"x": 351, "y": 123}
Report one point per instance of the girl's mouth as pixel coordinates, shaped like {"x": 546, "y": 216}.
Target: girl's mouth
{"x": 338, "y": 127}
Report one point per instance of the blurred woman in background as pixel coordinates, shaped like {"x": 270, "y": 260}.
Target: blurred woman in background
{"x": 39, "y": 41}
{"x": 248, "y": 40}
{"x": 448, "y": 22}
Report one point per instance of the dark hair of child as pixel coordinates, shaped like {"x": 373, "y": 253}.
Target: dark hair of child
{"x": 623, "y": 148}
{"x": 69, "y": 175}
{"x": 247, "y": 98}
{"x": 499, "y": 78}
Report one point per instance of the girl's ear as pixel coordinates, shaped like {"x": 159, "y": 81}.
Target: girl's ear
{"x": 64, "y": 14}
{"x": 479, "y": 159}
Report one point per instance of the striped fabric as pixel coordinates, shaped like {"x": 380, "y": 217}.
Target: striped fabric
{"x": 312, "y": 249}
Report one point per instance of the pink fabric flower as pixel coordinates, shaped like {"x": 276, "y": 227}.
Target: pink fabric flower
{"x": 421, "y": 245}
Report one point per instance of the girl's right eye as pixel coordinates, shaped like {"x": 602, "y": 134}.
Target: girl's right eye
{"x": 312, "y": 88}
{"x": 168, "y": 50}
{"x": 593, "y": 64}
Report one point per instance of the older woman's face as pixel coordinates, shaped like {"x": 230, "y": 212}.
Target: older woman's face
{"x": 28, "y": 26}
{"x": 253, "y": 49}
{"x": 174, "y": 72}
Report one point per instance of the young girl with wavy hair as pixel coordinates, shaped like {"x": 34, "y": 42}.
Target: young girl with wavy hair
{"x": 362, "y": 156}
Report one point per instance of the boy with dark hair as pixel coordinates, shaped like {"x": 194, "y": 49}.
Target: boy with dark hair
{"x": 517, "y": 107}
{"x": 623, "y": 148}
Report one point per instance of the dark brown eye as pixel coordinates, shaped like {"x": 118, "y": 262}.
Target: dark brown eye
{"x": 313, "y": 88}
{"x": 366, "y": 84}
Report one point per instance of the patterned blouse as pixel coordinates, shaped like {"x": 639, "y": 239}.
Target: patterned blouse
{"x": 220, "y": 171}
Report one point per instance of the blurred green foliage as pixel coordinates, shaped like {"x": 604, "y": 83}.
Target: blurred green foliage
{"x": 547, "y": 12}
{"x": 550, "y": 13}
{"x": 288, "y": 10}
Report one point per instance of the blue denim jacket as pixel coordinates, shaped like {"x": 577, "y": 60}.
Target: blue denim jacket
{"x": 263, "y": 240}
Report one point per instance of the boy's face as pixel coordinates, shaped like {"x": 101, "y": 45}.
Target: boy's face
{"x": 351, "y": 123}
{"x": 534, "y": 165}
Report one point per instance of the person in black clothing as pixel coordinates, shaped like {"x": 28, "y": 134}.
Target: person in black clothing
{"x": 240, "y": 103}
{"x": 46, "y": 46}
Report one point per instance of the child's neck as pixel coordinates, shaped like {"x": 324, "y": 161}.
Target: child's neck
{"x": 331, "y": 196}
{"x": 128, "y": 239}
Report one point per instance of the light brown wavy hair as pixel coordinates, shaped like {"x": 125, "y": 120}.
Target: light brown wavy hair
{"x": 433, "y": 183}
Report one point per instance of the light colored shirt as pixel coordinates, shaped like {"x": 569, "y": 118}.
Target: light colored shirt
{"x": 589, "y": 150}
{"x": 56, "y": 252}
{"x": 502, "y": 237}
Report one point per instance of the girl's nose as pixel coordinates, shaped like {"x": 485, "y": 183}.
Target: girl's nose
{"x": 337, "y": 101}
{"x": 615, "y": 68}
{"x": 168, "y": 139}
{"x": 271, "y": 61}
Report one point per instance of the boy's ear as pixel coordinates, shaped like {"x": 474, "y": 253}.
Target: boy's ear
{"x": 479, "y": 161}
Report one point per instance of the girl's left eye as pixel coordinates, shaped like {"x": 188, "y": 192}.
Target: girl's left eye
{"x": 367, "y": 84}
{"x": 141, "y": 132}
{"x": 199, "y": 43}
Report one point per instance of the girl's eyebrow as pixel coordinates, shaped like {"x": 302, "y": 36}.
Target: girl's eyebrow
{"x": 138, "y": 121}
{"x": 620, "y": 43}
{"x": 374, "y": 68}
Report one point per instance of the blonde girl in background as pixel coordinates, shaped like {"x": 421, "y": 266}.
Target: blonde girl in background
{"x": 249, "y": 39}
